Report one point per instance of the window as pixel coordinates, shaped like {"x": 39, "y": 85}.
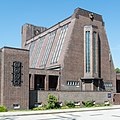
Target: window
{"x": 58, "y": 49}
{"x": 17, "y": 66}
{"x": 108, "y": 84}
{"x": 87, "y": 38}
{"x": 37, "y": 51}
{"x": 48, "y": 48}
{"x": 94, "y": 52}
{"x": 68, "y": 82}
{"x": 32, "y": 48}
{"x": 39, "y": 82}
{"x": 73, "y": 83}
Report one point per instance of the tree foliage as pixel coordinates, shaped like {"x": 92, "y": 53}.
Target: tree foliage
{"x": 117, "y": 70}
{"x": 52, "y": 102}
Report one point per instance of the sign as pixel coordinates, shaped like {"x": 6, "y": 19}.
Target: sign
{"x": 109, "y": 95}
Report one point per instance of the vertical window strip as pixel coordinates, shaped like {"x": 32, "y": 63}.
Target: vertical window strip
{"x": 32, "y": 48}
{"x": 87, "y": 51}
{"x": 37, "y": 52}
{"x": 48, "y": 48}
{"x": 50, "y": 45}
{"x": 54, "y": 55}
{"x": 94, "y": 52}
{"x": 60, "y": 42}
{"x": 60, "y": 49}
{"x": 33, "y": 53}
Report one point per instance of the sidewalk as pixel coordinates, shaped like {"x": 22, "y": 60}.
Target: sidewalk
{"x": 25, "y": 113}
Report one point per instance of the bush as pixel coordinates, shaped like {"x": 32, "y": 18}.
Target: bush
{"x": 52, "y": 102}
{"x": 3, "y": 109}
{"x": 88, "y": 103}
{"x": 70, "y": 104}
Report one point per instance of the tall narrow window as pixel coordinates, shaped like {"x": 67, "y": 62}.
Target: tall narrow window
{"x": 37, "y": 52}
{"x": 94, "y": 52}
{"x": 59, "y": 45}
{"x": 17, "y": 73}
{"x": 87, "y": 37}
{"x": 48, "y": 48}
{"x": 32, "y": 51}
{"x": 32, "y": 48}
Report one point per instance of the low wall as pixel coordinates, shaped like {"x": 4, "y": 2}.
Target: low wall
{"x": 63, "y": 96}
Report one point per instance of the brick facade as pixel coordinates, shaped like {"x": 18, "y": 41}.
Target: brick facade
{"x": 11, "y": 94}
{"x": 71, "y": 64}
{"x": 54, "y": 61}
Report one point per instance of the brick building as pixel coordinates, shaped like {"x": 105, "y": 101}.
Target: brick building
{"x": 71, "y": 59}
{"x": 14, "y": 78}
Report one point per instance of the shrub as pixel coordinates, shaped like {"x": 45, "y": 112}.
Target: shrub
{"x": 3, "y": 109}
{"x": 88, "y": 103}
{"x": 70, "y": 104}
{"x": 52, "y": 102}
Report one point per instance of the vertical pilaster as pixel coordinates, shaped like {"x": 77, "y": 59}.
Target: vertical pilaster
{"x": 47, "y": 82}
{"x": 92, "y": 86}
{"x": 32, "y": 82}
{"x": 58, "y": 84}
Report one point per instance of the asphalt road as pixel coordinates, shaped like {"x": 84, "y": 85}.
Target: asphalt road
{"x": 113, "y": 114}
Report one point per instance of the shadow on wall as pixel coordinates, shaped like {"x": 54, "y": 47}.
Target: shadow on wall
{"x": 32, "y": 98}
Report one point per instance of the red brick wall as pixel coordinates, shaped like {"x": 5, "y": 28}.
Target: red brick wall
{"x": 14, "y": 94}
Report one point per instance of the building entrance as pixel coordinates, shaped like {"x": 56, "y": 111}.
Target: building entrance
{"x": 53, "y": 82}
{"x": 39, "y": 82}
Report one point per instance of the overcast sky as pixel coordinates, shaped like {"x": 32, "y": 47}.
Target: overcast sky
{"x": 15, "y": 13}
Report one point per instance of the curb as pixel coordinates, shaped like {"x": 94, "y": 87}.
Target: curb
{"x": 9, "y": 114}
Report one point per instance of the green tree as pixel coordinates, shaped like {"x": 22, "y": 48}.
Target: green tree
{"x": 117, "y": 70}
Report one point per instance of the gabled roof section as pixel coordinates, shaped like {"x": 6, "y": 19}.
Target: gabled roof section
{"x": 46, "y": 47}
{"x": 81, "y": 12}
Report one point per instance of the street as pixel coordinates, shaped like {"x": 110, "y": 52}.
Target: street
{"x": 86, "y": 115}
